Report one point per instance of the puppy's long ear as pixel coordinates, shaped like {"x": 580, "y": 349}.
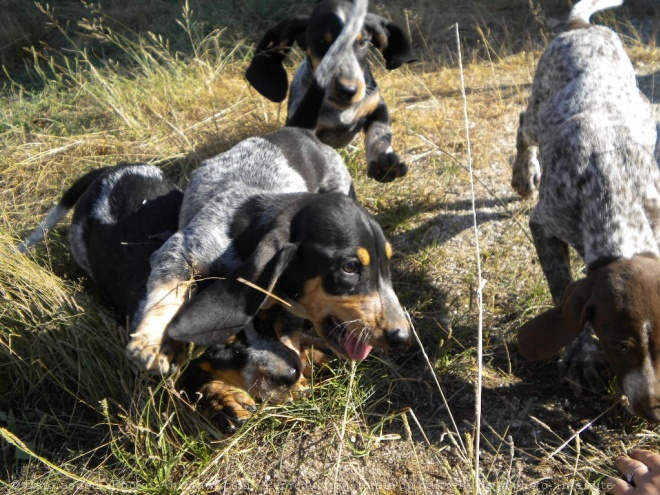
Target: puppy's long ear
{"x": 224, "y": 307}
{"x": 547, "y": 334}
{"x": 390, "y": 40}
{"x": 266, "y": 71}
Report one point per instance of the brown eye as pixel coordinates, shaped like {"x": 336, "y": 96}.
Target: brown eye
{"x": 350, "y": 266}
{"x": 625, "y": 346}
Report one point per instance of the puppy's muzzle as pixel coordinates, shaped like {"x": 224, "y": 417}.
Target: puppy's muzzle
{"x": 345, "y": 91}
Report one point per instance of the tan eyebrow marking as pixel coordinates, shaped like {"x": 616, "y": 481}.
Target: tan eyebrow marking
{"x": 363, "y": 256}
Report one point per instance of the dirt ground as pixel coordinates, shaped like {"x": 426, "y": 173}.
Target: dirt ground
{"x": 530, "y": 417}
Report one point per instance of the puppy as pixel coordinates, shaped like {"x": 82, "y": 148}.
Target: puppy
{"x": 351, "y": 101}
{"x": 123, "y": 215}
{"x": 255, "y": 219}
{"x": 591, "y": 134}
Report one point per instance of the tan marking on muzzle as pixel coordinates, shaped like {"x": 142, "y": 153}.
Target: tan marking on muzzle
{"x": 359, "y": 94}
{"x": 381, "y": 41}
{"x": 367, "y": 105}
{"x": 358, "y": 312}
{"x": 314, "y": 60}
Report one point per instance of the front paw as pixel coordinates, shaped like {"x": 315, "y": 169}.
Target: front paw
{"x": 227, "y": 406}
{"x": 584, "y": 367}
{"x": 526, "y": 175}
{"x": 387, "y": 167}
{"x": 153, "y": 354}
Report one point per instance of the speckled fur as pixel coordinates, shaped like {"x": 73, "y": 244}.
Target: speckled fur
{"x": 220, "y": 186}
{"x": 586, "y": 141}
{"x": 290, "y": 160}
{"x": 595, "y": 133}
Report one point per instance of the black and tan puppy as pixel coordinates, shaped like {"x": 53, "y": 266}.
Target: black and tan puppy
{"x": 273, "y": 220}
{"x": 123, "y": 215}
{"x": 352, "y": 100}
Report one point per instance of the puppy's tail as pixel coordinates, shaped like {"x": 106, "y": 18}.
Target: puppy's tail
{"x": 583, "y": 10}
{"x": 308, "y": 110}
{"x": 57, "y": 212}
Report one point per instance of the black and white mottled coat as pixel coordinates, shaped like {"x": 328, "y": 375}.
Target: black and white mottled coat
{"x": 287, "y": 161}
{"x": 256, "y": 214}
{"x": 586, "y": 140}
{"x": 594, "y": 133}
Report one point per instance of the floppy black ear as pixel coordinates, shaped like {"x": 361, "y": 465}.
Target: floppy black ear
{"x": 390, "y": 40}
{"x": 266, "y": 72}
{"x": 224, "y": 307}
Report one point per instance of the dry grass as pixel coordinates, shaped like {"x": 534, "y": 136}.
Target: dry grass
{"x": 76, "y": 418}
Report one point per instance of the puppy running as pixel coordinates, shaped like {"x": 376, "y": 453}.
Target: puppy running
{"x": 351, "y": 101}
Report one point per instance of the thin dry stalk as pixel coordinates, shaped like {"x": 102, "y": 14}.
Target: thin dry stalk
{"x": 442, "y": 394}
{"x": 344, "y": 419}
{"x": 576, "y": 435}
{"x": 477, "y": 401}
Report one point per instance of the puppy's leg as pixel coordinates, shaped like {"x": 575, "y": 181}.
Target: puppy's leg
{"x": 526, "y": 170}
{"x": 149, "y": 347}
{"x": 383, "y": 164}
{"x": 583, "y": 362}
{"x": 167, "y": 289}
{"x": 314, "y": 353}
{"x": 312, "y": 350}
{"x": 224, "y": 404}
{"x": 553, "y": 256}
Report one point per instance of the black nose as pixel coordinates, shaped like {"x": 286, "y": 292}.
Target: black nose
{"x": 345, "y": 91}
{"x": 286, "y": 377}
{"x": 397, "y": 338}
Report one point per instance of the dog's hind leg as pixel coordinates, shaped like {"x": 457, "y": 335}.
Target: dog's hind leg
{"x": 526, "y": 172}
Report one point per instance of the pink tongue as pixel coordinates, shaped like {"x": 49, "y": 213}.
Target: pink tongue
{"x": 356, "y": 350}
